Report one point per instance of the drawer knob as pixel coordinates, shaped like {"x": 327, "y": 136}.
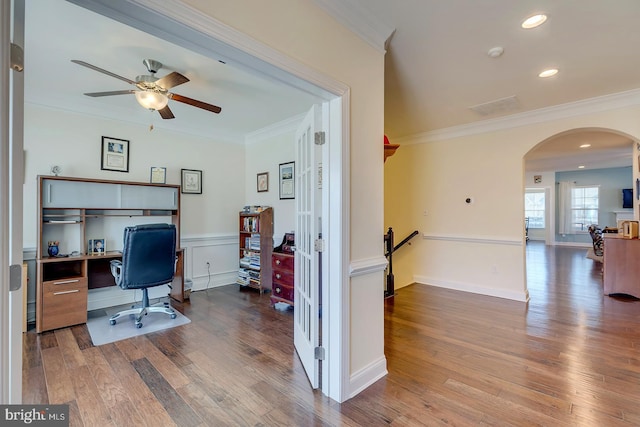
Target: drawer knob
{"x": 278, "y": 261}
{"x": 277, "y": 275}
{"x": 278, "y": 290}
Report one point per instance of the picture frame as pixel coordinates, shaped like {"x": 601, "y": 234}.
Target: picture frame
{"x": 115, "y": 154}
{"x": 158, "y": 175}
{"x": 287, "y": 182}
{"x": 96, "y": 247}
{"x": 262, "y": 182}
{"x": 191, "y": 182}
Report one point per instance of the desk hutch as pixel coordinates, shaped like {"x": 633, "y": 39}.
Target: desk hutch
{"x": 72, "y": 211}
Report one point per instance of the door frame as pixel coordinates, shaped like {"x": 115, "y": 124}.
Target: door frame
{"x": 11, "y": 181}
{"x": 207, "y": 36}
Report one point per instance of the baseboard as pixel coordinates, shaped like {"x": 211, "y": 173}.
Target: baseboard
{"x": 366, "y": 376}
{"x": 522, "y": 296}
{"x": 114, "y": 296}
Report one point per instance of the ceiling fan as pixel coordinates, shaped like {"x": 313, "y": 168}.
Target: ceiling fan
{"x": 152, "y": 92}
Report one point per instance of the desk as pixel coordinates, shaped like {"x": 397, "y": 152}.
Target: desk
{"x": 74, "y": 211}
{"x": 63, "y": 284}
{"x": 621, "y": 266}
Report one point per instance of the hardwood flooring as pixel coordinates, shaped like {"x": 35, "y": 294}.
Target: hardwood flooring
{"x": 570, "y": 357}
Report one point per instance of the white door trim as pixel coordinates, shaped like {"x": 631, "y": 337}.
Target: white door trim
{"x": 187, "y": 27}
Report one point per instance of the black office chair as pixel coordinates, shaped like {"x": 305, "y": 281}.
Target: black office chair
{"x": 148, "y": 259}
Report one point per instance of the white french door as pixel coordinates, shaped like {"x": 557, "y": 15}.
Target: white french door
{"x": 11, "y": 182}
{"x": 308, "y": 235}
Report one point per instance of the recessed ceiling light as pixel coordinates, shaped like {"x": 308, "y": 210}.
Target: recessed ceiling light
{"x": 534, "y": 21}
{"x": 585, "y": 146}
{"x": 495, "y": 52}
{"x": 548, "y": 73}
{"x": 581, "y": 167}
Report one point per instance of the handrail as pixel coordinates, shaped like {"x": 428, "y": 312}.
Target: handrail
{"x": 404, "y": 241}
{"x": 390, "y": 249}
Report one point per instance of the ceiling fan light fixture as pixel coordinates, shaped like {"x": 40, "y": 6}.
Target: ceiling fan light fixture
{"x": 152, "y": 100}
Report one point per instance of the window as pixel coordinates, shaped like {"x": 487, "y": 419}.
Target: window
{"x": 584, "y": 207}
{"x": 534, "y": 207}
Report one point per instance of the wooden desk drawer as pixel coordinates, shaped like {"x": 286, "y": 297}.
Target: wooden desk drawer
{"x": 64, "y": 302}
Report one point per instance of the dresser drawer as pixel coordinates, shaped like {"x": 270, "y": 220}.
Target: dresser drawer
{"x": 283, "y": 277}
{"x": 64, "y": 302}
{"x": 282, "y": 262}
{"x": 282, "y": 291}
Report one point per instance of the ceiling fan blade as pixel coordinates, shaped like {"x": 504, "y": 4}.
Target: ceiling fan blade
{"x": 195, "y": 103}
{"x": 171, "y": 80}
{"x": 113, "y": 92}
{"x": 166, "y": 113}
{"x": 108, "y": 73}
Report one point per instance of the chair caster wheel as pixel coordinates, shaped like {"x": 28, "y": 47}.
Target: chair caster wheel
{"x": 138, "y": 325}
{"x": 112, "y": 322}
{"x": 173, "y": 316}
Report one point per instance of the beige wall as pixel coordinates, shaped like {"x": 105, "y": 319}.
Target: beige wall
{"x": 475, "y": 247}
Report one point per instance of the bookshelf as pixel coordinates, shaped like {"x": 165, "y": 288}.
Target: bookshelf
{"x": 256, "y": 246}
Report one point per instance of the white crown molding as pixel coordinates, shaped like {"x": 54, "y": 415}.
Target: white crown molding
{"x": 359, "y": 19}
{"x": 586, "y": 106}
{"x": 276, "y": 129}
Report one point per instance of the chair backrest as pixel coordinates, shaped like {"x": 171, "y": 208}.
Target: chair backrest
{"x": 148, "y": 255}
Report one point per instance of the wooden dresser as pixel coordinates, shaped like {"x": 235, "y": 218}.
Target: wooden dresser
{"x": 282, "y": 265}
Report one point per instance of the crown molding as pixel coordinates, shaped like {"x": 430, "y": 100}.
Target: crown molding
{"x": 355, "y": 16}
{"x": 562, "y": 111}
{"x": 276, "y": 129}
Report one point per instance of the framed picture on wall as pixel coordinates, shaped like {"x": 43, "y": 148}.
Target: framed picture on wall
{"x": 115, "y": 154}
{"x": 287, "y": 180}
{"x": 158, "y": 175}
{"x": 263, "y": 182}
{"x": 191, "y": 181}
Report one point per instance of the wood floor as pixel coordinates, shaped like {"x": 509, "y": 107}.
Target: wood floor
{"x": 570, "y": 357}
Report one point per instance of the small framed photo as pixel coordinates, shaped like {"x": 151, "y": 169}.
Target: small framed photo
{"x": 287, "y": 180}
{"x": 263, "y": 182}
{"x": 158, "y": 175}
{"x": 191, "y": 181}
{"x": 115, "y": 154}
{"x": 96, "y": 247}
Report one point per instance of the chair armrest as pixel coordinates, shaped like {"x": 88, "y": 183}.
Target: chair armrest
{"x": 116, "y": 270}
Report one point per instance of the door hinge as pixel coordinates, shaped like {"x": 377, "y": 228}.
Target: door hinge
{"x": 318, "y": 245}
{"x": 319, "y": 353}
{"x": 17, "y": 58}
{"x": 319, "y": 138}
{"x": 15, "y": 277}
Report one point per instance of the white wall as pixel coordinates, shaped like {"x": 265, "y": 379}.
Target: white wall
{"x": 265, "y": 151}
{"x": 478, "y": 247}
{"x": 208, "y": 222}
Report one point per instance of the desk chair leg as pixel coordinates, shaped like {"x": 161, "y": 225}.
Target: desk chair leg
{"x": 143, "y": 310}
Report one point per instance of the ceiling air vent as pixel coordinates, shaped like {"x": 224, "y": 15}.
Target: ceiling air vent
{"x": 509, "y": 103}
